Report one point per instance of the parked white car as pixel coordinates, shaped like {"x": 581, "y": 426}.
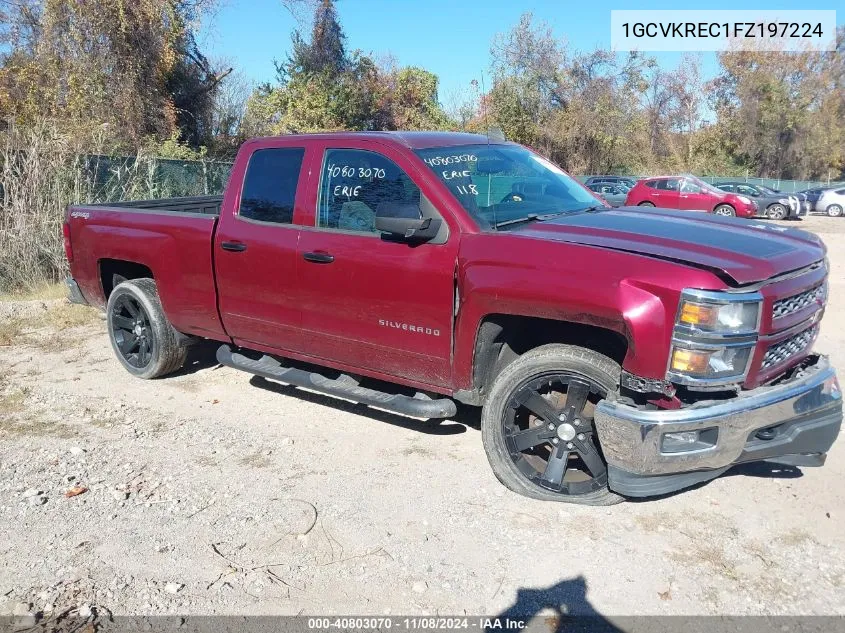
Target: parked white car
{"x": 832, "y": 202}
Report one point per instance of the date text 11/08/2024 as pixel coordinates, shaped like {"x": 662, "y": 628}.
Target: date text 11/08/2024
{"x": 417, "y": 623}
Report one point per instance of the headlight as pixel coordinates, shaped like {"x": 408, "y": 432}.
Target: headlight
{"x": 744, "y": 199}
{"x": 703, "y": 314}
{"x": 714, "y": 337}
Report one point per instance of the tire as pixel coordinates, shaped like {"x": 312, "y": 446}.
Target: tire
{"x": 834, "y": 210}
{"x": 503, "y": 412}
{"x": 776, "y": 212}
{"x": 131, "y": 334}
{"x": 725, "y": 210}
{"x": 646, "y": 204}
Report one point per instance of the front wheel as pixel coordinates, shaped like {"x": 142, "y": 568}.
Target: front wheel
{"x": 537, "y": 425}
{"x": 725, "y": 210}
{"x": 141, "y": 336}
{"x": 776, "y": 212}
{"x": 834, "y": 210}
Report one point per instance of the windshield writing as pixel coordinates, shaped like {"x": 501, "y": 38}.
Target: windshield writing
{"x": 500, "y": 184}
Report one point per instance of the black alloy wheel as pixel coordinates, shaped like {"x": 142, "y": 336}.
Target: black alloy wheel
{"x": 550, "y": 436}
{"x": 133, "y": 332}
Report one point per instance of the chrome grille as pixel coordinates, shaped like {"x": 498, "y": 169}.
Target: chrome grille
{"x": 783, "y": 351}
{"x": 785, "y": 307}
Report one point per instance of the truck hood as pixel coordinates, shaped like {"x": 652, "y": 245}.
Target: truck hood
{"x": 745, "y": 251}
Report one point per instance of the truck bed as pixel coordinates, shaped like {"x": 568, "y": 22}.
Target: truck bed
{"x": 206, "y": 205}
{"x": 171, "y": 237}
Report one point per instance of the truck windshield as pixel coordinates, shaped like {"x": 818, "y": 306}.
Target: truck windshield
{"x": 499, "y": 185}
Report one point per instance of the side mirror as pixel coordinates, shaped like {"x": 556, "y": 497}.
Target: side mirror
{"x": 405, "y": 222}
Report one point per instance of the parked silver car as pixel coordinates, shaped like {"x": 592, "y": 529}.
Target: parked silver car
{"x": 770, "y": 202}
{"x": 832, "y": 202}
{"x": 614, "y": 193}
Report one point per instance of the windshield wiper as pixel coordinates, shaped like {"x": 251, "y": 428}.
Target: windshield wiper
{"x": 542, "y": 217}
{"x": 595, "y": 207}
{"x": 532, "y": 217}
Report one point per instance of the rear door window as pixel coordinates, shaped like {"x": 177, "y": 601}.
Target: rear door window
{"x": 270, "y": 185}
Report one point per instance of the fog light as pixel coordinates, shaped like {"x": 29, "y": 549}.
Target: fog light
{"x": 688, "y": 441}
{"x": 674, "y": 442}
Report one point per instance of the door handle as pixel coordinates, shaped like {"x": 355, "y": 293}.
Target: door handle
{"x": 235, "y": 247}
{"x": 318, "y": 257}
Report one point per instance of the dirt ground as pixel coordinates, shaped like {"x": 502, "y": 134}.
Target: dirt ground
{"x": 212, "y": 492}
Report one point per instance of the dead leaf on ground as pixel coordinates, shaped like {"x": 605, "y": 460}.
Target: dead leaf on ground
{"x": 75, "y": 491}
{"x": 665, "y": 595}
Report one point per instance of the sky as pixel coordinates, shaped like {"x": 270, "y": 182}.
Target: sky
{"x": 448, "y": 37}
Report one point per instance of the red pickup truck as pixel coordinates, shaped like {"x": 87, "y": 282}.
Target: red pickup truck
{"x": 614, "y": 352}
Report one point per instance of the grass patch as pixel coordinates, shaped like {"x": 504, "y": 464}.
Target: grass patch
{"x": 256, "y": 460}
{"x": 58, "y": 317}
{"x": 32, "y": 426}
{"x": 67, "y": 315}
{"x": 44, "y": 291}
{"x": 10, "y": 330}
{"x": 16, "y": 421}
{"x": 796, "y": 537}
{"x": 14, "y": 400}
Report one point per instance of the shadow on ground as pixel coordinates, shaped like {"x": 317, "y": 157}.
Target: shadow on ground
{"x": 561, "y": 607}
{"x": 201, "y": 355}
{"x": 765, "y": 469}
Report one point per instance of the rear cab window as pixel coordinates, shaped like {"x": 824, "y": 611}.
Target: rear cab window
{"x": 270, "y": 184}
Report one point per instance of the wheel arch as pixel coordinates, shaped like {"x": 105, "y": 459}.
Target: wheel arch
{"x": 114, "y": 271}
{"x": 502, "y": 338}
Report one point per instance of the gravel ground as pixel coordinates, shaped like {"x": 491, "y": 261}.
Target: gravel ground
{"x": 211, "y": 492}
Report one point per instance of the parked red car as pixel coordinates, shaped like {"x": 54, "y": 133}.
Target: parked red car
{"x": 689, "y": 193}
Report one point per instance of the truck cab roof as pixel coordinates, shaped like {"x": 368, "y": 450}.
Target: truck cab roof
{"x": 411, "y": 140}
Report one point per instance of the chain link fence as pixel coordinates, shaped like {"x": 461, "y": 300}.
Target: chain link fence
{"x": 154, "y": 177}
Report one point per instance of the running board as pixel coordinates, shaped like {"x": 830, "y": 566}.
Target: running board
{"x": 420, "y": 406}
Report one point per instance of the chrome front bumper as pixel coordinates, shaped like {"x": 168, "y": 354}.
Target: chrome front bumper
{"x": 805, "y": 410}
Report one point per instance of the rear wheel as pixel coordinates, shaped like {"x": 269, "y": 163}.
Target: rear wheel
{"x": 724, "y": 210}
{"x": 646, "y": 204}
{"x": 537, "y": 425}
{"x": 141, "y": 336}
{"x": 776, "y": 212}
{"x": 834, "y": 210}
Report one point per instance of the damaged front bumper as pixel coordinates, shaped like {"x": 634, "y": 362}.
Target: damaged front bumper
{"x": 794, "y": 422}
